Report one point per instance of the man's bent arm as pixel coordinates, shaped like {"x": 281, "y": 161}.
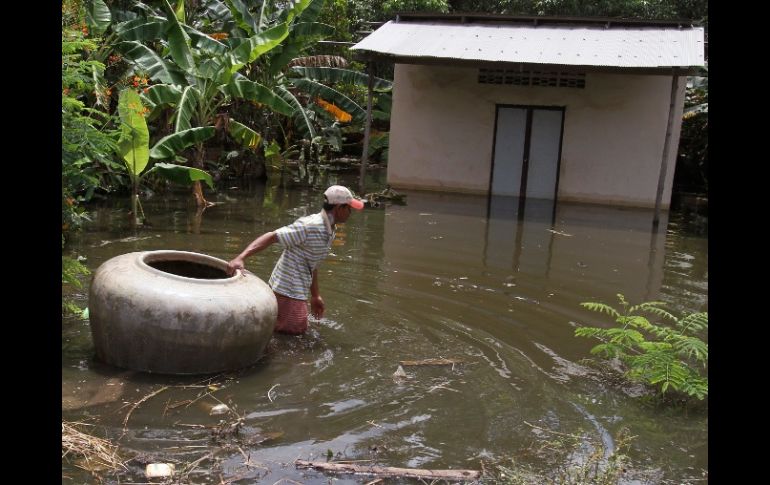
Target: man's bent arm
{"x": 256, "y": 246}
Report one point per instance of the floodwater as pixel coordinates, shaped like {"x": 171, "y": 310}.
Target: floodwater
{"x": 445, "y": 276}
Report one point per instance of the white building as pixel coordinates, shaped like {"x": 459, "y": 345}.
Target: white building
{"x": 582, "y": 110}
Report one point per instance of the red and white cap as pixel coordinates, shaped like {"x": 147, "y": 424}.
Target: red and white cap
{"x": 337, "y": 194}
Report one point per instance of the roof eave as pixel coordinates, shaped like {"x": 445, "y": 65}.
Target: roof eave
{"x": 467, "y": 17}
{"x": 370, "y": 56}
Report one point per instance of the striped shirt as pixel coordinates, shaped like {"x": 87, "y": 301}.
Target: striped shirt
{"x": 306, "y": 242}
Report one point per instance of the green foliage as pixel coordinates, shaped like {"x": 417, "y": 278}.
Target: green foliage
{"x": 435, "y": 6}
{"x": 665, "y": 355}
{"x": 649, "y": 9}
{"x": 71, "y": 269}
{"x": 71, "y": 272}
{"x": 88, "y": 143}
{"x": 337, "y": 14}
{"x": 362, "y": 11}
{"x": 692, "y": 165}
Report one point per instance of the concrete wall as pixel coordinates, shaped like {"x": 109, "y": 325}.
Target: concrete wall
{"x": 442, "y": 129}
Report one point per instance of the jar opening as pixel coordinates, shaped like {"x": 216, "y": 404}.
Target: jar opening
{"x": 189, "y": 269}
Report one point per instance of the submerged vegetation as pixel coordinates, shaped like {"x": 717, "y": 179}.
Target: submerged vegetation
{"x": 570, "y": 459}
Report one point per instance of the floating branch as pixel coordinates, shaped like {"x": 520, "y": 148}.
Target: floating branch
{"x": 407, "y": 363}
{"x": 391, "y": 472}
{"x": 136, "y": 404}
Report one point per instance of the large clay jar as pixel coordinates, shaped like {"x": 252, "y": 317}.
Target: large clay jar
{"x": 177, "y": 312}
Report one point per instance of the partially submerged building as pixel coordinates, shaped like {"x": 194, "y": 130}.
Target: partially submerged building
{"x": 567, "y": 109}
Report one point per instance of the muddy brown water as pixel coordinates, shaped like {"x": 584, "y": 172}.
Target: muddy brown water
{"x": 445, "y": 276}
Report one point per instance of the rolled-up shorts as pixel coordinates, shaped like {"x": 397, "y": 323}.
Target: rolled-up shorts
{"x": 292, "y": 315}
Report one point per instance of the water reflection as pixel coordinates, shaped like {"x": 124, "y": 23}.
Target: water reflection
{"x": 452, "y": 276}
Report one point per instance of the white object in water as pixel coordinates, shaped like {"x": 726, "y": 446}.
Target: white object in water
{"x": 159, "y": 470}
{"x": 219, "y": 409}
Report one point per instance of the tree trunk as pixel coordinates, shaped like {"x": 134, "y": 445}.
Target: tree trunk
{"x": 134, "y": 199}
{"x": 200, "y": 154}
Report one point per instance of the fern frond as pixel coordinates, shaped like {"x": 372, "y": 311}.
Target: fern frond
{"x": 664, "y": 333}
{"x": 589, "y": 332}
{"x": 608, "y": 350}
{"x": 692, "y": 347}
{"x": 645, "y": 306}
{"x": 696, "y": 386}
{"x": 601, "y": 308}
{"x": 661, "y": 313}
{"x": 662, "y": 361}
{"x": 624, "y": 336}
{"x": 649, "y": 347}
{"x": 638, "y": 322}
{"x": 695, "y": 322}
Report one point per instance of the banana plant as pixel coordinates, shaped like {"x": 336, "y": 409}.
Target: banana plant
{"x": 308, "y": 83}
{"x": 270, "y": 70}
{"x": 134, "y": 148}
{"x": 200, "y": 74}
{"x": 197, "y": 76}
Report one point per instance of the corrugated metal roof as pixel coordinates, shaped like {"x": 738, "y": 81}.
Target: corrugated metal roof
{"x": 576, "y": 45}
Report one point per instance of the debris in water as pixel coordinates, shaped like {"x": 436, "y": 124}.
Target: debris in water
{"x": 259, "y": 438}
{"x": 155, "y": 470}
{"x": 219, "y": 409}
{"x": 399, "y": 374}
{"x": 451, "y": 362}
{"x": 391, "y": 472}
{"x": 125, "y": 240}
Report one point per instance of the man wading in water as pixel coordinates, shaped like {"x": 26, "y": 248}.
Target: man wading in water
{"x": 306, "y": 242}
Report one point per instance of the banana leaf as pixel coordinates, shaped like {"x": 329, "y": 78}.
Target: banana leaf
{"x": 301, "y": 121}
{"x": 170, "y": 145}
{"x": 148, "y": 60}
{"x": 243, "y": 134}
{"x": 317, "y": 90}
{"x": 142, "y": 29}
{"x": 134, "y": 141}
{"x": 243, "y": 17}
{"x": 98, "y": 16}
{"x": 252, "y": 91}
{"x": 333, "y": 75}
{"x": 159, "y": 95}
{"x": 178, "y": 40}
{"x": 186, "y": 109}
{"x": 180, "y": 174}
